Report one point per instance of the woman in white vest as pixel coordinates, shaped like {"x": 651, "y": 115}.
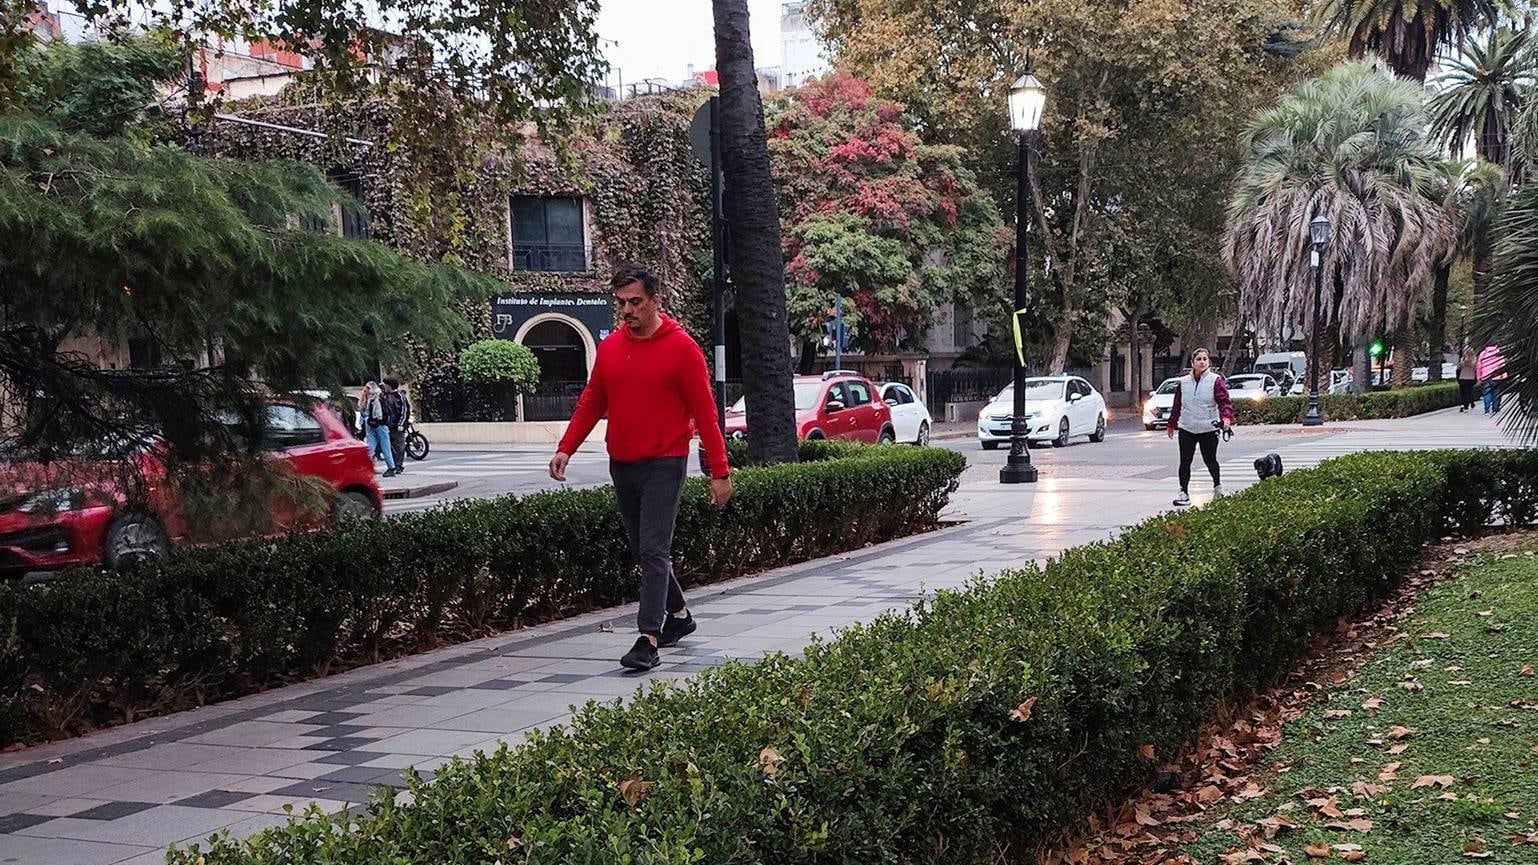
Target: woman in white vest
{"x": 1202, "y": 409}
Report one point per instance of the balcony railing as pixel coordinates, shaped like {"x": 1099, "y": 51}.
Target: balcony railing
{"x": 550, "y": 257}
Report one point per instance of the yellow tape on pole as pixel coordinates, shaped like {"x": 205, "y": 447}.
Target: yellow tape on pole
{"x": 1019, "y": 341}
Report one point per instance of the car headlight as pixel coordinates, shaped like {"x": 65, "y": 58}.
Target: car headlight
{"x": 52, "y": 501}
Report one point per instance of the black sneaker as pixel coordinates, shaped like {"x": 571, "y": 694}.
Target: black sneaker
{"x": 642, "y": 656}
{"x": 675, "y": 629}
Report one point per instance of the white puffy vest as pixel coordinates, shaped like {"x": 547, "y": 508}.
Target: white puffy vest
{"x": 1198, "y": 403}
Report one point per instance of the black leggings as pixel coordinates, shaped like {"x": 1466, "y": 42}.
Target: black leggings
{"x": 1209, "y": 445}
{"x": 1466, "y": 392}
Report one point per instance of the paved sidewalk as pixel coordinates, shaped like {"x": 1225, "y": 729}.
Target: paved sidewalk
{"x": 123, "y": 794}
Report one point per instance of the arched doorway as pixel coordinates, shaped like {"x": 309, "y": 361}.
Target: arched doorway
{"x": 563, "y": 352}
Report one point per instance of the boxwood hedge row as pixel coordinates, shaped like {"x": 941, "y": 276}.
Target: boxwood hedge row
{"x": 986, "y": 718}
{"x": 1403, "y": 402}
{"x": 96, "y": 648}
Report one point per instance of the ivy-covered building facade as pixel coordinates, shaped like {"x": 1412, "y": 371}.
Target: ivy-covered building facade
{"x": 550, "y": 223}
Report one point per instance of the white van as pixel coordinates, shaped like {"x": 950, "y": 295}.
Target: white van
{"x": 1281, "y": 365}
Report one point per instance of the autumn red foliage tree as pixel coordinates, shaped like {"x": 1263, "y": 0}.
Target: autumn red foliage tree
{"x": 871, "y": 213}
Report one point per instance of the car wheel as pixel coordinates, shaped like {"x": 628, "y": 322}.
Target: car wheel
{"x": 990, "y": 446}
{"x": 353, "y": 505}
{"x": 886, "y": 437}
{"x": 815, "y": 436}
{"x": 1099, "y": 434}
{"x": 134, "y": 538}
{"x": 1062, "y": 434}
{"x": 417, "y": 446}
{"x": 923, "y": 437}
{"x": 1148, "y": 426}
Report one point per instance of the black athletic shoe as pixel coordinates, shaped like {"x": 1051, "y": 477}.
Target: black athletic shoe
{"x": 675, "y": 629}
{"x": 642, "y": 656}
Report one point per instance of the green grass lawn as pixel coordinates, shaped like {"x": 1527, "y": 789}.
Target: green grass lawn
{"x": 1433, "y": 741}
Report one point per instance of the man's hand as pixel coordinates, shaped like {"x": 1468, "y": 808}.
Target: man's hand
{"x": 1170, "y": 429}
{"x": 720, "y": 491}
{"x": 558, "y": 466}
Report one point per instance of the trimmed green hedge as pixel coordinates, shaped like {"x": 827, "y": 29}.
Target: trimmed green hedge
{"x": 1367, "y": 406}
{"x": 209, "y": 624}
{"x": 990, "y": 717}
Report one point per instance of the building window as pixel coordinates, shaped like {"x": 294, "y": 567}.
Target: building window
{"x": 353, "y": 219}
{"x": 547, "y": 234}
{"x": 144, "y": 353}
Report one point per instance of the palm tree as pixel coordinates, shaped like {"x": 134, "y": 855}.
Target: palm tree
{"x": 1353, "y": 146}
{"x": 1510, "y": 306}
{"x": 757, "y": 269}
{"x": 1474, "y": 196}
{"x": 1407, "y": 35}
{"x": 1482, "y": 92}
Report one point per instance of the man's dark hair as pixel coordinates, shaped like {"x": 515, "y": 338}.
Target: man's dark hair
{"x": 393, "y": 383}
{"x": 628, "y": 273}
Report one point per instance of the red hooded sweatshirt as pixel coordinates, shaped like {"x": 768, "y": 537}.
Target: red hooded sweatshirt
{"x": 650, "y": 389}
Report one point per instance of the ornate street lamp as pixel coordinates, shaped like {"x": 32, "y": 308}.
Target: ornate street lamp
{"x": 1318, "y": 234}
{"x": 1027, "y": 98}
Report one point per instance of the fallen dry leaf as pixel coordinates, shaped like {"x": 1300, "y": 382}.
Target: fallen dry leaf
{"x": 633, "y": 789}
{"x": 1443, "y": 781}
{"x": 513, "y": 842}
{"x": 1209, "y": 794}
{"x": 769, "y": 760}
{"x": 1022, "y": 712}
{"x": 1316, "y": 851}
{"x": 1411, "y": 686}
{"x": 1398, "y": 733}
{"x": 1389, "y": 772}
{"x": 1367, "y": 790}
{"x": 1482, "y": 741}
{"x": 1372, "y": 704}
{"x": 1397, "y": 750}
{"x": 1326, "y": 806}
{"x": 1354, "y": 855}
{"x": 1146, "y": 752}
{"x": 606, "y": 628}
{"x": 1520, "y": 838}
{"x": 1337, "y": 713}
{"x": 1526, "y": 671}
{"x": 1474, "y": 848}
{"x": 1435, "y": 635}
{"x": 1250, "y": 791}
{"x": 1143, "y": 818}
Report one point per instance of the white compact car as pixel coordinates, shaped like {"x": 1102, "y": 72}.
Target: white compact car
{"x": 1253, "y": 386}
{"x": 1057, "y": 407}
{"x": 910, "y": 419}
{"x": 1156, "y": 411}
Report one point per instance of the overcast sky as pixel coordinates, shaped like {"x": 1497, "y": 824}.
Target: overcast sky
{"x": 660, "y": 38}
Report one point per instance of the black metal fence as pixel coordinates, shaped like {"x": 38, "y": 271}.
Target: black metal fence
{"x": 552, "y": 400}
{"x": 551, "y": 257}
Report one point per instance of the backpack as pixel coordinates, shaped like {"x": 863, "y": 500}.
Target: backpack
{"x": 394, "y": 409}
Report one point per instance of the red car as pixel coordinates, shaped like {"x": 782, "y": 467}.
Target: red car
{"x": 82, "y": 517}
{"x": 834, "y": 405}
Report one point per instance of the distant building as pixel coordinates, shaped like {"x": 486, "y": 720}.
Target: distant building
{"x": 801, "y": 54}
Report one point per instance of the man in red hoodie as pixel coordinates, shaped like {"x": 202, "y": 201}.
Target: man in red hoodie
{"x": 650, "y": 379}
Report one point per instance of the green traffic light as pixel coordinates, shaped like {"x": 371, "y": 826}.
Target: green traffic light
{"x": 1376, "y": 348}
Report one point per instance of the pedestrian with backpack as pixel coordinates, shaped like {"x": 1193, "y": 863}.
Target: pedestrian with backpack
{"x": 398, "y": 414}
{"x": 650, "y": 380}
{"x": 1201, "y": 411}
{"x": 376, "y": 427}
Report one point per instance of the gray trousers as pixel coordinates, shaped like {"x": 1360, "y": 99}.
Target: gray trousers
{"x": 648, "y": 493}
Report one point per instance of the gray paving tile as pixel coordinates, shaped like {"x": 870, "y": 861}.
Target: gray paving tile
{"x": 254, "y": 761}
{"x": 16, "y": 802}
{"x": 501, "y": 719}
{"x": 54, "y": 851}
{"x": 74, "y": 780}
{"x": 350, "y": 758}
{"x": 156, "y": 827}
{"x": 363, "y": 775}
{"x": 112, "y": 810}
{"x": 65, "y": 807}
{"x": 13, "y": 822}
{"x": 252, "y": 733}
{"x": 340, "y": 743}
{"x": 170, "y": 755}
{"x": 429, "y": 742}
{"x": 352, "y": 793}
{"x": 214, "y": 799}
{"x": 167, "y": 787}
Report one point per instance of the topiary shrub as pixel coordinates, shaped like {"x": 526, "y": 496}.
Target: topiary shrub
{"x": 492, "y": 373}
{"x": 499, "y": 361}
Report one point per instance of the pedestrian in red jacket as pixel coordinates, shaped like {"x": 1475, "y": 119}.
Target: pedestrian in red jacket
{"x": 650, "y": 379}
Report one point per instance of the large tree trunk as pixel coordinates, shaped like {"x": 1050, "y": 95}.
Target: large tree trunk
{"x": 1361, "y": 368}
{"x": 1057, "y": 347}
{"x": 1403, "y": 358}
{"x": 757, "y": 269}
{"x": 1438, "y": 324}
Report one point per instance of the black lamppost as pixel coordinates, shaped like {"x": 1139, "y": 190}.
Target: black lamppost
{"x": 1318, "y": 233}
{"x": 1026, "y": 99}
